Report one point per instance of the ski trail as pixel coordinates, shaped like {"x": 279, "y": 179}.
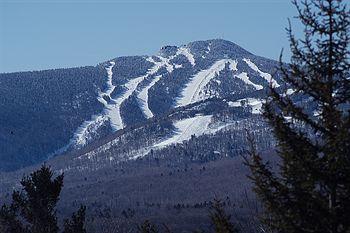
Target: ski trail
{"x": 88, "y": 129}
{"x": 112, "y": 107}
{"x": 185, "y": 128}
{"x": 255, "y": 104}
{"x": 143, "y": 97}
{"x": 110, "y": 86}
{"x": 164, "y": 62}
{"x": 186, "y": 52}
{"x": 192, "y": 92}
{"x": 266, "y": 76}
{"x": 244, "y": 77}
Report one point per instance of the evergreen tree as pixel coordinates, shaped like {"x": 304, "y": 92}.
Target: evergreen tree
{"x": 310, "y": 192}
{"x": 33, "y": 210}
{"x": 220, "y": 220}
{"x": 148, "y": 227}
{"x": 76, "y": 224}
{"x": 37, "y": 201}
{"x": 8, "y": 220}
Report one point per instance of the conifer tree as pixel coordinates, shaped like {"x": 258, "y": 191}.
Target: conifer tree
{"x": 220, "y": 220}
{"x": 310, "y": 191}
{"x": 76, "y": 224}
{"x": 33, "y": 210}
{"x": 37, "y": 201}
{"x": 148, "y": 227}
{"x": 8, "y": 220}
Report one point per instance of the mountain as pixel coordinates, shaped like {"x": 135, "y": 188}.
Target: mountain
{"x": 144, "y": 137}
{"x": 129, "y": 107}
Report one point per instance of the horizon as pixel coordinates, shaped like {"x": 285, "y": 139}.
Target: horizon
{"x": 35, "y": 33}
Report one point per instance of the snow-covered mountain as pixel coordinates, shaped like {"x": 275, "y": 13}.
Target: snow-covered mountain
{"x": 130, "y": 107}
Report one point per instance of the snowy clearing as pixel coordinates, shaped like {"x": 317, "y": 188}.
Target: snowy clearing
{"x": 244, "y": 77}
{"x": 266, "y": 76}
{"x": 192, "y": 92}
{"x": 186, "y": 52}
{"x": 143, "y": 97}
{"x": 86, "y": 130}
{"x": 186, "y": 128}
{"x": 255, "y": 104}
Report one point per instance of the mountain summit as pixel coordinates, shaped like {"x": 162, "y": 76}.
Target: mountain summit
{"x": 202, "y": 88}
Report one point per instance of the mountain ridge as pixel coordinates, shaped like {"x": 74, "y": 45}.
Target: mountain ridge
{"x": 123, "y": 91}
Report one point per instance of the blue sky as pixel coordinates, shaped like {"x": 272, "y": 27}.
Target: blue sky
{"x": 45, "y": 34}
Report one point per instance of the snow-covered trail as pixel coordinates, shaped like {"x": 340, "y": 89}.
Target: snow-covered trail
{"x": 143, "y": 97}
{"x": 192, "y": 92}
{"x": 264, "y": 75}
{"x": 131, "y": 86}
{"x": 244, "y": 77}
{"x": 113, "y": 110}
{"x": 86, "y": 131}
{"x": 164, "y": 62}
{"x": 110, "y": 86}
{"x": 112, "y": 107}
{"x": 185, "y": 128}
{"x": 255, "y": 104}
{"x": 187, "y": 53}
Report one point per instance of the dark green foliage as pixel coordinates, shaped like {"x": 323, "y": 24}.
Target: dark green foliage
{"x": 76, "y": 224}
{"x": 220, "y": 220}
{"x": 311, "y": 192}
{"x": 8, "y": 220}
{"x": 33, "y": 210}
{"x": 42, "y": 110}
{"x": 38, "y": 200}
{"x": 148, "y": 227}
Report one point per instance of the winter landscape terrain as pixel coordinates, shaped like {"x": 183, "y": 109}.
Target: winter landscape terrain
{"x": 143, "y": 136}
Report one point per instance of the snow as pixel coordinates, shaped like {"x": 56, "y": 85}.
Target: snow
{"x": 185, "y": 128}
{"x": 290, "y": 91}
{"x": 85, "y": 132}
{"x": 192, "y": 92}
{"x": 163, "y": 62}
{"x": 143, "y": 97}
{"x": 208, "y": 49}
{"x": 186, "y": 52}
{"x": 114, "y": 109}
{"x": 266, "y": 76}
{"x": 244, "y": 77}
{"x": 131, "y": 87}
{"x": 111, "y": 112}
{"x": 143, "y": 94}
{"x": 255, "y": 104}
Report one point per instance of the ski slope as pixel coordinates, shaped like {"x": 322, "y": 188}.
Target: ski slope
{"x": 255, "y": 104}
{"x": 266, "y": 76}
{"x": 244, "y": 77}
{"x": 164, "y": 62}
{"x": 143, "y": 97}
{"x": 185, "y": 128}
{"x": 86, "y": 130}
{"x": 192, "y": 92}
{"x": 186, "y": 52}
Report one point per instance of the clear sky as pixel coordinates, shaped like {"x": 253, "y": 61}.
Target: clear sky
{"x": 45, "y": 34}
